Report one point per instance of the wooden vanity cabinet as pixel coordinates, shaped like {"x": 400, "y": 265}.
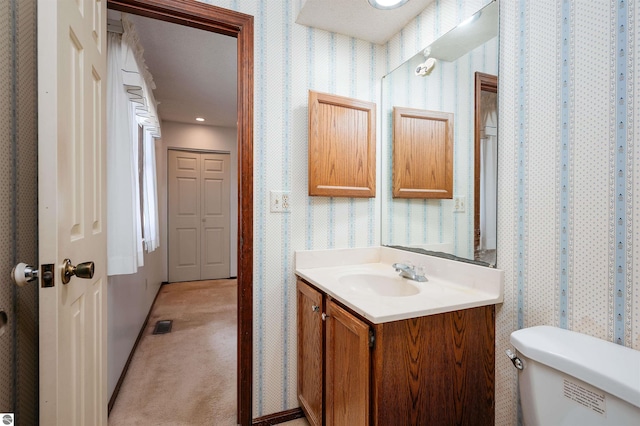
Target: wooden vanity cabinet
{"x": 347, "y": 376}
{"x": 310, "y": 353}
{"x": 333, "y": 361}
{"x": 431, "y": 370}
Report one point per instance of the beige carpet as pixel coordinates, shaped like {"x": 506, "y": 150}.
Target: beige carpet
{"x": 188, "y": 376}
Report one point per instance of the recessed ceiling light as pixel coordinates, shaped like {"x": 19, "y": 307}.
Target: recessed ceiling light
{"x": 199, "y": 119}
{"x": 387, "y": 4}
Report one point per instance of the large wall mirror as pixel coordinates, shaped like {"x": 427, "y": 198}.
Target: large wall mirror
{"x": 456, "y": 74}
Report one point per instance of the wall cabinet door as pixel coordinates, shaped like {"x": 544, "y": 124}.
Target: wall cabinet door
{"x": 422, "y": 153}
{"x": 348, "y": 356}
{"x": 342, "y": 146}
{"x": 310, "y": 352}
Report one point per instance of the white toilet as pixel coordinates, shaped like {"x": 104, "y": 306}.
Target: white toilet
{"x": 568, "y": 378}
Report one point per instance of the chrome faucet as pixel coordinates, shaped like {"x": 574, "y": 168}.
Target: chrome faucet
{"x": 408, "y": 271}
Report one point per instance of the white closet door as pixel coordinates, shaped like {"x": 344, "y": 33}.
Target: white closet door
{"x": 198, "y": 216}
{"x": 215, "y": 216}
{"x": 184, "y": 216}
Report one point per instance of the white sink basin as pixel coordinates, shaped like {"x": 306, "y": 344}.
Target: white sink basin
{"x": 379, "y": 285}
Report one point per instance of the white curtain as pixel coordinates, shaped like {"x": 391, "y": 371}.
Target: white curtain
{"x": 130, "y": 106}
{"x": 488, "y": 172}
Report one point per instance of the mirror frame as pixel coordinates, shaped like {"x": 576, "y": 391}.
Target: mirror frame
{"x": 483, "y": 83}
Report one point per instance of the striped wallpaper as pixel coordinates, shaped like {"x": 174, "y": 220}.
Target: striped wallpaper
{"x": 567, "y": 160}
{"x": 291, "y": 59}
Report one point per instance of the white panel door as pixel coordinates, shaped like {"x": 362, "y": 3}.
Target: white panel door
{"x": 198, "y": 216}
{"x": 215, "y": 216}
{"x": 184, "y": 216}
{"x": 71, "y": 208}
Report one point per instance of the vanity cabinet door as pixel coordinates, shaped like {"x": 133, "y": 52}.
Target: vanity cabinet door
{"x": 310, "y": 350}
{"x": 348, "y": 360}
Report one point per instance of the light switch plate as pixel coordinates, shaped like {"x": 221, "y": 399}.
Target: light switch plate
{"x": 459, "y": 203}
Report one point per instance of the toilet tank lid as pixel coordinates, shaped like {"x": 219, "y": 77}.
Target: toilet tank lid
{"x": 613, "y": 368}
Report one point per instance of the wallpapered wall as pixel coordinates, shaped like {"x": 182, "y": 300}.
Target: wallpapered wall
{"x": 568, "y": 165}
{"x": 290, "y": 59}
{"x": 18, "y": 209}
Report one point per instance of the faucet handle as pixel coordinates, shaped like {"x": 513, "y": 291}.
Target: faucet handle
{"x": 400, "y": 266}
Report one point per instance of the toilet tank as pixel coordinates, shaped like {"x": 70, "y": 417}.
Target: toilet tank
{"x": 571, "y": 379}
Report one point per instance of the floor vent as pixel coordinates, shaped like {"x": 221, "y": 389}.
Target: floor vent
{"x": 163, "y": 327}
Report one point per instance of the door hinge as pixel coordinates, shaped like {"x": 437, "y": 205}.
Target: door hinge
{"x": 372, "y": 338}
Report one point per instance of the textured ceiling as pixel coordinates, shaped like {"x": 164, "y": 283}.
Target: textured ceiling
{"x": 357, "y": 18}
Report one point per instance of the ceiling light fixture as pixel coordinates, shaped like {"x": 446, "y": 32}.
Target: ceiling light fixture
{"x": 199, "y": 119}
{"x": 387, "y": 4}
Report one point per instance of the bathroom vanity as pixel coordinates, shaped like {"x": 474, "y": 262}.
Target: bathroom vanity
{"x": 377, "y": 349}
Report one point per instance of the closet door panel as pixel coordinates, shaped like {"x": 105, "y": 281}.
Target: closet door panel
{"x": 184, "y": 216}
{"x": 215, "y": 216}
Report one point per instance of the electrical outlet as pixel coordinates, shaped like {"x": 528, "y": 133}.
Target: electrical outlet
{"x": 286, "y": 205}
{"x": 280, "y": 201}
{"x": 459, "y": 204}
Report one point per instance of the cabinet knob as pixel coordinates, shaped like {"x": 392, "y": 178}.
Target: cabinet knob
{"x": 315, "y": 308}
{"x": 324, "y": 316}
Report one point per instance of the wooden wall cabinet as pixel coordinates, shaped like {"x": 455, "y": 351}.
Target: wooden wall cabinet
{"x": 422, "y": 153}
{"x": 342, "y": 146}
{"x": 432, "y": 370}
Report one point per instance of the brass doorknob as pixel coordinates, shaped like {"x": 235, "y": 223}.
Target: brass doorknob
{"x": 82, "y": 270}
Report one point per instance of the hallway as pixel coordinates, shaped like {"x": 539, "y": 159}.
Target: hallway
{"x": 187, "y": 376}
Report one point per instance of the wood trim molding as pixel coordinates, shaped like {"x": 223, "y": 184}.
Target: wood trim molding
{"x": 223, "y": 21}
{"x": 487, "y": 83}
{"x": 277, "y": 418}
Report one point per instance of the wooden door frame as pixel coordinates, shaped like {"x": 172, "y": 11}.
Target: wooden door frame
{"x": 223, "y": 21}
{"x": 487, "y": 83}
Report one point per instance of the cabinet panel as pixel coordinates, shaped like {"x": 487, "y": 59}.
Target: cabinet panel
{"x": 342, "y": 146}
{"x": 435, "y": 370}
{"x": 310, "y": 360}
{"x": 422, "y": 153}
{"x": 348, "y": 358}
{"x": 431, "y": 370}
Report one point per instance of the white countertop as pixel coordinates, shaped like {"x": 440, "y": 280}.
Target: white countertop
{"x": 452, "y": 285}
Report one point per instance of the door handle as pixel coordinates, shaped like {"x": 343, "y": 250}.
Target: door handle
{"x": 82, "y": 270}
{"x": 23, "y": 274}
